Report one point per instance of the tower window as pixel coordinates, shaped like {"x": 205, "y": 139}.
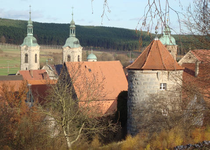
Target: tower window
{"x": 163, "y": 86}
{"x": 35, "y": 58}
{"x": 78, "y": 58}
{"x": 68, "y": 58}
{"x": 26, "y": 58}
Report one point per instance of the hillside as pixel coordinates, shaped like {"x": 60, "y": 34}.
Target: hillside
{"x": 14, "y": 31}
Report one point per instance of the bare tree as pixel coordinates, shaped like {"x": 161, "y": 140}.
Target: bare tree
{"x": 197, "y": 24}
{"x": 72, "y": 108}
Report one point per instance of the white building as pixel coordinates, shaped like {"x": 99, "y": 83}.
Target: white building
{"x": 72, "y": 50}
{"x": 30, "y": 50}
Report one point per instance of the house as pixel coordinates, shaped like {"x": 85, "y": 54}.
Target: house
{"x": 51, "y": 71}
{"x": 196, "y": 90}
{"x": 33, "y": 74}
{"x": 193, "y": 56}
{"x": 98, "y": 83}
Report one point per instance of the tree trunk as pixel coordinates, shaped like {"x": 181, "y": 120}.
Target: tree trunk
{"x": 67, "y": 139}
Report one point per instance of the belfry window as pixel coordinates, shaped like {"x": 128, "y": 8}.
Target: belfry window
{"x": 35, "y": 58}
{"x": 163, "y": 86}
{"x": 68, "y": 58}
{"x": 26, "y": 58}
{"x": 78, "y": 58}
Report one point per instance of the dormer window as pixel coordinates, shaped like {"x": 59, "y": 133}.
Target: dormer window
{"x": 163, "y": 86}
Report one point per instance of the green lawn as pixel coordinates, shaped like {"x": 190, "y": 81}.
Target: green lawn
{"x": 11, "y": 57}
{"x": 4, "y": 71}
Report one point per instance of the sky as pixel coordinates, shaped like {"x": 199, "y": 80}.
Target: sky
{"x": 123, "y": 13}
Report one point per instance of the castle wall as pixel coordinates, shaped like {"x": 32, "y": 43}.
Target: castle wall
{"x": 142, "y": 85}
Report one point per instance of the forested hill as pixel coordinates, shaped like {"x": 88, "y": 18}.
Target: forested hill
{"x": 14, "y": 32}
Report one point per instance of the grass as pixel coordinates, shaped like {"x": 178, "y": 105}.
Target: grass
{"x": 10, "y": 58}
{"x": 4, "y": 71}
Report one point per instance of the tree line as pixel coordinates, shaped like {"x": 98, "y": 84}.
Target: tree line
{"x": 14, "y": 32}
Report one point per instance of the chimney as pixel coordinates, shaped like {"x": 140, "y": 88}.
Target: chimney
{"x": 196, "y": 68}
{"x": 44, "y": 75}
{"x": 31, "y": 73}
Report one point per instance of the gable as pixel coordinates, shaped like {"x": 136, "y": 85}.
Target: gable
{"x": 188, "y": 58}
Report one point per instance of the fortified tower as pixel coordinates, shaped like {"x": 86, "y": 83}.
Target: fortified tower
{"x": 154, "y": 74}
{"x": 30, "y": 50}
{"x": 169, "y": 42}
{"x": 72, "y": 50}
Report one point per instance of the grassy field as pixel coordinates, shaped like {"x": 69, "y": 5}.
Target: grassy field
{"x": 10, "y": 59}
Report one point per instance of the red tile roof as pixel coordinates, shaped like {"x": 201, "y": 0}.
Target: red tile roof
{"x": 155, "y": 57}
{"x": 199, "y": 84}
{"x": 100, "y": 82}
{"x": 34, "y": 74}
{"x": 41, "y": 82}
{"x": 202, "y": 55}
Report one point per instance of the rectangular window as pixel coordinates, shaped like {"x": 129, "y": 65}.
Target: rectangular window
{"x": 163, "y": 86}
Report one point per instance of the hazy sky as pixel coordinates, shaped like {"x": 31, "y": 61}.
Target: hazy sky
{"x": 124, "y": 13}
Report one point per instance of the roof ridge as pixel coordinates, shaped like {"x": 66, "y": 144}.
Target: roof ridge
{"x": 161, "y": 57}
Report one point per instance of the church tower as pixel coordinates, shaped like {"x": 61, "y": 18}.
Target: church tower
{"x": 169, "y": 42}
{"x": 30, "y": 50}
{"x": 72, "y": 50}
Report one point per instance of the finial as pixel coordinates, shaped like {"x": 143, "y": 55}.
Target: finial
{"x": 156, "y": 31}
{"x": 72, "y": 12}
{"x": 29, "y": 12}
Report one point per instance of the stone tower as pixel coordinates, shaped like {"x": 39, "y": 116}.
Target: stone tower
{"x": 72, "y": 50}
{"x": 169, "y": 42}
{"x": 153, "y": 74}
{"x": 30, "y": 50}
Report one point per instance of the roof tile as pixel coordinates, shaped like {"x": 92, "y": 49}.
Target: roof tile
{"x": 155, "y": 57}
{"x": 101, "y": 81}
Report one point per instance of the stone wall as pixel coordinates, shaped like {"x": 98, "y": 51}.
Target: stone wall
{"x": 144, "y": 85}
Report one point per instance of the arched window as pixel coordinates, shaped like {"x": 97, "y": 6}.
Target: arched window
{"x": 26, "y": 58}
{"x": 69, "y": 58}
{"x": 35, "y": 58}
{"x": 78, "y": 58}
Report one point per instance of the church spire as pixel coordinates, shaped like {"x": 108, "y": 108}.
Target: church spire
{"x": 72, "y": 26}
{"x": 30, "y": 24}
